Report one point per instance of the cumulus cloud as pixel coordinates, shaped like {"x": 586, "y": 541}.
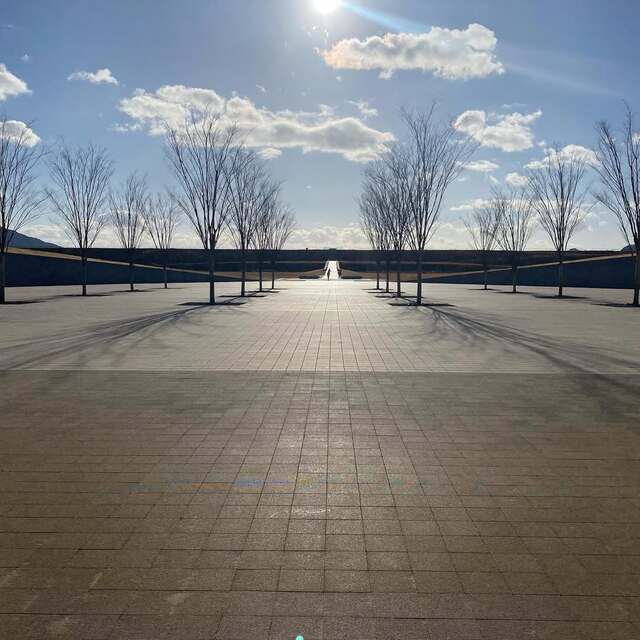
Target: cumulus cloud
{"x": 262, "y": 128}
{"x": 516, "y": 180}
{"x": 18, "y": 131}
{"x": 101, "y": 76}
{"x": 363, "y": 107}
{"x": 567, "y": 152}
{"x": 510, "y": 132}
{"x": 448, "y": 53}
{"x": 346, "y": 237}
{"x": 481, "y": 166}
{"x": 10, "y": 85}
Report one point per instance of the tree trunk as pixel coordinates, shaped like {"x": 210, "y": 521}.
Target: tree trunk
{"x": 273, "y": 273}
{"x": 377, "y": 273}
{"x": 260, "y": 273}
{"x": 419, "y": 279}
{"x": 398, "y": 268}
{"x": 636, "y": 279}
{"x": 485, "y": 277}
{"x": 243, "y": 275}
{"x": 560, "y": 276}
{"x": 388, "y": 265}
{"x": 131, "y": 288}
{"x": 212, "y": 276}
{"x": 514, "y": 279}
{"x": 83, "y": 260}
{"x": 3, "y": 276}
{"x": 164, "y": 269}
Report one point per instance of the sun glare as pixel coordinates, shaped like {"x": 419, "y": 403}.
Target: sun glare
{"x": 326, "y": 6}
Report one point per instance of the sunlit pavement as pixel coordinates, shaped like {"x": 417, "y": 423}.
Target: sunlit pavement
{"x": 320, "y": 461}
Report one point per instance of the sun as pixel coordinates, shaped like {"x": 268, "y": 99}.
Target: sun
{"x": 326, "y": 6}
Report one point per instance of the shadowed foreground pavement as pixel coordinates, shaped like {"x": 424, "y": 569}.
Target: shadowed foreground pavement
{"x": 370, "y": 471}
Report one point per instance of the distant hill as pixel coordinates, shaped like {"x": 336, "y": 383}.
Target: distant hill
{"x": 21, "y": 241}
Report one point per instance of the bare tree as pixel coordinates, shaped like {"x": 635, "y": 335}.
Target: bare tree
{"x": 385, "y": 186}
{"x": 19, "y": 200}
{"x": 483, "y": 225}
{"x": 282, "y": 227}
{"x": 161, "y": 220}
{"x": 201, "y": 154}
{"x": 374, "y": 229}
{"x": 250, "y": 190}
{"x": 618, "y": 164}
{"x": 81, "y": 178}
{"x": 266, "y": 219}
{"x": 516, "y": 227}
{"x": 558, "y": 198}
{"x": 128, "y": 210}
{"x": 437, "y": 153}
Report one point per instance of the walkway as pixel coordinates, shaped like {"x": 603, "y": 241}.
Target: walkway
{"x": 318, "y": 462}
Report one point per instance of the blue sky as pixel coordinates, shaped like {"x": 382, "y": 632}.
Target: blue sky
{"x": 324, "y": 90}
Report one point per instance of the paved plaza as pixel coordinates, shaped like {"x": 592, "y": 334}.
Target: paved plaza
{"x": 322, "y": 461}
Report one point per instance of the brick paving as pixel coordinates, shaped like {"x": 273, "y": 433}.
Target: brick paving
{"x": 383, "y": 478}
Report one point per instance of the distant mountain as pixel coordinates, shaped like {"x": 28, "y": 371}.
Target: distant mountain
{"x": 21, "y": 241}
{"x": 628, "y": 248}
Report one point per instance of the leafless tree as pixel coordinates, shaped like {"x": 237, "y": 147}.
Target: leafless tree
{"x": 128, "y": 210}
{"x": 283, "y": 225}
{"x": 202, "y": 153}
{"x": 557, "y": 196}
{"x": 251, "y": 190}
{"x": 437, "y": 153}
{"x": 483, "y": 225}
{"x": 266, "y": 219}
{"x": 374, "y": 229}
{"x": 19, "y": 200}
{"x": 80, "y": 180}
{"x": 618, "y": 164}
{"x": 385, "y": 186}
{"x": 516, "y": 226}
{"x": 161, "y": 219}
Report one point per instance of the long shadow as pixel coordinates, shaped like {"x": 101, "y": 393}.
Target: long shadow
{"x": 577, "y": 359}
{"x": 101, "y": 335}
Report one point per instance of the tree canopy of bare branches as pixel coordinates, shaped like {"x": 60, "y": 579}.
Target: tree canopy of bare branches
{"x": 161, "y": 219}
{"x": 282, "y": 226}
{"x": 128, "y": 214}
{"x": 374, "y": 229}
{"x": 558, "y": 197}
{"x": 266, "y": 219}
{"x": 80, "y": 180}
{"x": 202, "y": 155}
{"x": 516, "y": 226}
{"x": 251, "y": 191}
{"x": 618, "y": 164}
{"x": 436, "y": 155}
{"x": 19, "y": 199}
{"x": 483, "y": 225}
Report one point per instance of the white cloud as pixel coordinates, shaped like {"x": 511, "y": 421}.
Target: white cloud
{"x": 10, "y": 85}
{"x": 261, "y": 89}
{"x": 25, "y": 57}
{"x": 448, "y": 53}
{"x": 470, "y": 205}
{"x": 16, "y": 130}
{"x": 347, "y": 237}
{"x": 567, "y": 152}
{"x": 510, "y": 132}
{"x": 363, "y": 107}
{"x": 269, "y": 153}
{"x": 481, "y": 166}
{"x": 101, "y": 76}
{"x": 320, "y": 130}
{"x": 516, "y": 180}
